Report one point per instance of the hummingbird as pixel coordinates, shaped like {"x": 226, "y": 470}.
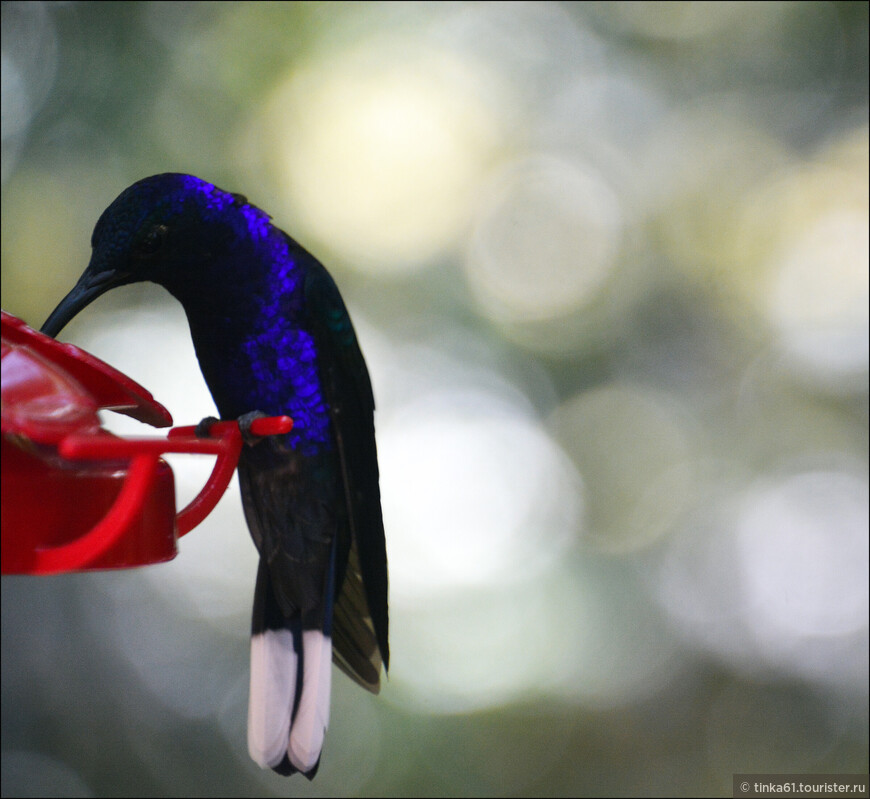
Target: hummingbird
{"x": 273, "y": 337}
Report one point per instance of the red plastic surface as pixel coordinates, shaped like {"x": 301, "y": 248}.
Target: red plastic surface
{"x": 62, "y": 516}
{"x": 107, "y": 387}
{"x": 75, "y": 497}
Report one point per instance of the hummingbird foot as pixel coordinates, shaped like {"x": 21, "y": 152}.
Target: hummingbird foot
{"x": 245, "y": 422}
{"x": 203, "y": 429}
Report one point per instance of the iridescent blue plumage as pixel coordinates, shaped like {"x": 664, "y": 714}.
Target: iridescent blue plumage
{"x": 272, "y": 334}
{"x": 270, "y": 357}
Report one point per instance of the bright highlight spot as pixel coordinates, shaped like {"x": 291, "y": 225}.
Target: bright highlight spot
{"x": 805, "y": 235}
{"x": 820, "y": 293}
{"x": 778, "y": 576}
{"x": 474, "y": 493}
{"x": 380, "y": 153}
{"x": 804, "y": 557}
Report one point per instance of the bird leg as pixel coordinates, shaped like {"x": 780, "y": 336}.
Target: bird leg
{"x": 245, "y": 421}
{"x": 203, "y": 429}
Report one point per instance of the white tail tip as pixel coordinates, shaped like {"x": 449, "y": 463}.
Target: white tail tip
{"x": 312, "y": 718}
{"x": 273, "y": 687}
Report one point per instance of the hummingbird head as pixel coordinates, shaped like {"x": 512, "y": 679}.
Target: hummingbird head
{"x": 167, "y": 229}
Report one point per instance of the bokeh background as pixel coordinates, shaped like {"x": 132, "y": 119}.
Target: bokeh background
{"x": 609, "y": 266}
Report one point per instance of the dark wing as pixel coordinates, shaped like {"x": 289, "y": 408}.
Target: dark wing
{"x": 360, "y": 617}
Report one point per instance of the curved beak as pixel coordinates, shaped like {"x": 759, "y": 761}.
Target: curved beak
{"x": 90, "y": 286}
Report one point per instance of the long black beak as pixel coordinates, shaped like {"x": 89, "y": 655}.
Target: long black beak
{"x": 89, "y": 287}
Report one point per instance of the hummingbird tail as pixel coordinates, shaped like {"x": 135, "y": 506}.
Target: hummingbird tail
{"x": 291, "y": 677}
{"x": 311, "y": 719}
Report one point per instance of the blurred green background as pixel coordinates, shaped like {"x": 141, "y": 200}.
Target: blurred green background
{"x": 609, "y": 266}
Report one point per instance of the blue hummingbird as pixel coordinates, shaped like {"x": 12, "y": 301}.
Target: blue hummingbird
{"x": 272, "y": 336}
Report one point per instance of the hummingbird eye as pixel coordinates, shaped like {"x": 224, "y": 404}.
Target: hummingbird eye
{"x": 152, "y": 241}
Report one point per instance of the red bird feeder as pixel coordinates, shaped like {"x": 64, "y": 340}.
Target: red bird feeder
{"x": 76, "y": 497}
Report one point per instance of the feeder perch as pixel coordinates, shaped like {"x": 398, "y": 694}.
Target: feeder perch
{"x": 75, "y": 497}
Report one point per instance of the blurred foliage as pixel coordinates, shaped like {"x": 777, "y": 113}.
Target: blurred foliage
{"x": 609, "y": 266}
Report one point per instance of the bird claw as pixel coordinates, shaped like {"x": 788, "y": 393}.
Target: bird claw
{"x": 203, "y": 429}
{"x": 245, "y": 421}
